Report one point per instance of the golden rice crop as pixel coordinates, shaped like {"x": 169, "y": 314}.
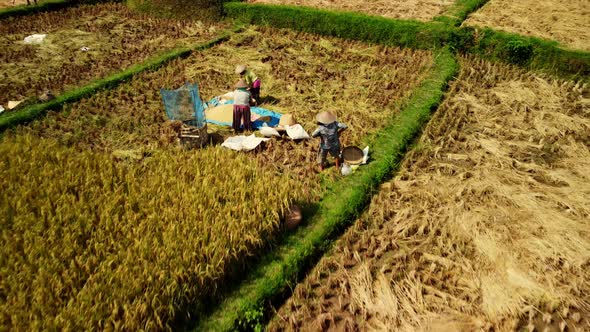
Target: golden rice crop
{"x": 423, "y": 10}
{"x": 116, "y": 36}
{"x": 564, "y": 21}
{"x": 111, "y": 226}
{"x": 484, "y": 227}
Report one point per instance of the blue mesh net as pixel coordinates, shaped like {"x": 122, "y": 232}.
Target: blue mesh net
{"x": 184, "y": 104}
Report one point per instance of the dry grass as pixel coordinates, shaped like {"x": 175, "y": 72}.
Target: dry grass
{"x": 567, "y": 22}
{"x": 116, "y": 36}
{"x": 423, "y": 10}
{"x": 96, "y": 240}
{"x": 486, "y": 226}
{"x": 11, "y": 3}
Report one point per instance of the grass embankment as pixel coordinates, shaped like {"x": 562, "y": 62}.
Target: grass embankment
{"x": 44, "y": 6}
{"x": 455, "y": 14}
{"x": 483, "y": 228}
{"x": 31, "y": 112}
{"x": 531, "y": 53}
{"x": 205, "y": 10}
{"x": 344, "y": 201}
{"x": 118, "y": 228}
{"x": 114, "y": 36}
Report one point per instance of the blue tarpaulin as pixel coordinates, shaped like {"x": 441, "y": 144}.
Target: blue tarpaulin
{"x": 273, "y": 117}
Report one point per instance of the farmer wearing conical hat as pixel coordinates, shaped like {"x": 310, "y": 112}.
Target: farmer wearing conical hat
{"x": 242, "y": 100}
{"x": 329, "y": 131}
{"x": 252, "y": 80}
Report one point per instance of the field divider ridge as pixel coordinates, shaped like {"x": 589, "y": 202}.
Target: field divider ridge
{"x": 31, "y": 112}
{"x": 279, "y": 270}
{"x": 458, "y": 12}
{"x": 45, "y": 6}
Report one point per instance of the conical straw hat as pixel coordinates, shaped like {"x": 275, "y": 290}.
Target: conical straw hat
{"x": 240, "y": 69}
{"x": 325, "y": 118}
{"x": 287, "y": 120}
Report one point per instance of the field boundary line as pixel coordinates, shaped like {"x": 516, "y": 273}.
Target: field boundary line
{"x": 459, "y": 11}
{"x": 45, "y": 6}
{"x": 31, "y": 112}
{"x": 279, "y": 270}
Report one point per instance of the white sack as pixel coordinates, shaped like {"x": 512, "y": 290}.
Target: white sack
{"x": 365, "y": 154}
{"x": 35, "y": 39}
{"x": 268, "y": 131}
{"x": 296, "y": 132}
{"x": 243, "y": 143}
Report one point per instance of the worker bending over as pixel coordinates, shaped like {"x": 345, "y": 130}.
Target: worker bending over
{"x": 251, "y": 80}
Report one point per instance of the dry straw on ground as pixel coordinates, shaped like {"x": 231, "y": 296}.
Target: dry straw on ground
{"x": 110, "y": 225}
{"x": 486, "y": 225}
{"x": 116, "y": 38}
{"x": 567, "y": 22}
{"x": 423, "y": 10}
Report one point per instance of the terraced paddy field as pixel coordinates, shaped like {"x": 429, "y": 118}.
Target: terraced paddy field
{"x": 115, "y": 37}
{"x": 110, "y": 225}
{"x": 423, "y": 10}
{"x": 567, "y": 22}
{"x": 484, "y": 228}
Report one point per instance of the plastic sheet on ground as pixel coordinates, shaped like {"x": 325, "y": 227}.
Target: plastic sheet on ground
{"x": 35, "y": 39}
{"x": 243, "y": 143}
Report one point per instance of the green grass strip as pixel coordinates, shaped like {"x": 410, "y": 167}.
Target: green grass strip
{"x": 43, "y": 6}
{"x": 29, "y": 113}
{"x": 373, "y": 29}
{"x": 458, "y": 12}
{"x": 344, "y": 202}
{"x": 530, "y": 52}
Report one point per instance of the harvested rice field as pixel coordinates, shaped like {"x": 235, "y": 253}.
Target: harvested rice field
{"x": 423, "y": 10}
{"x": 12, "y": 3}
{"x": 485, "y": 227}
{"x": 115, "y": 38}
{"x": 111, "y": 225}
{"x": 567, "y": 22}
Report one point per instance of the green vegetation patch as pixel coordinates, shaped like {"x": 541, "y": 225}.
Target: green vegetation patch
{"x": 458, "y": 12}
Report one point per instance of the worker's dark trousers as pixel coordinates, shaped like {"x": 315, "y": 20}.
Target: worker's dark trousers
{"x": 255, "y": 91}
{"x": 241, "y": 114}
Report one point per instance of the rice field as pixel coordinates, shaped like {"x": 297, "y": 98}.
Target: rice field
{"x": 111, "y": 226}
{"x": 423, "y": 10}
{"x": 567, "y": 22}
{"x": 485, "y": 227}
{"x": 115, "y": 36}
